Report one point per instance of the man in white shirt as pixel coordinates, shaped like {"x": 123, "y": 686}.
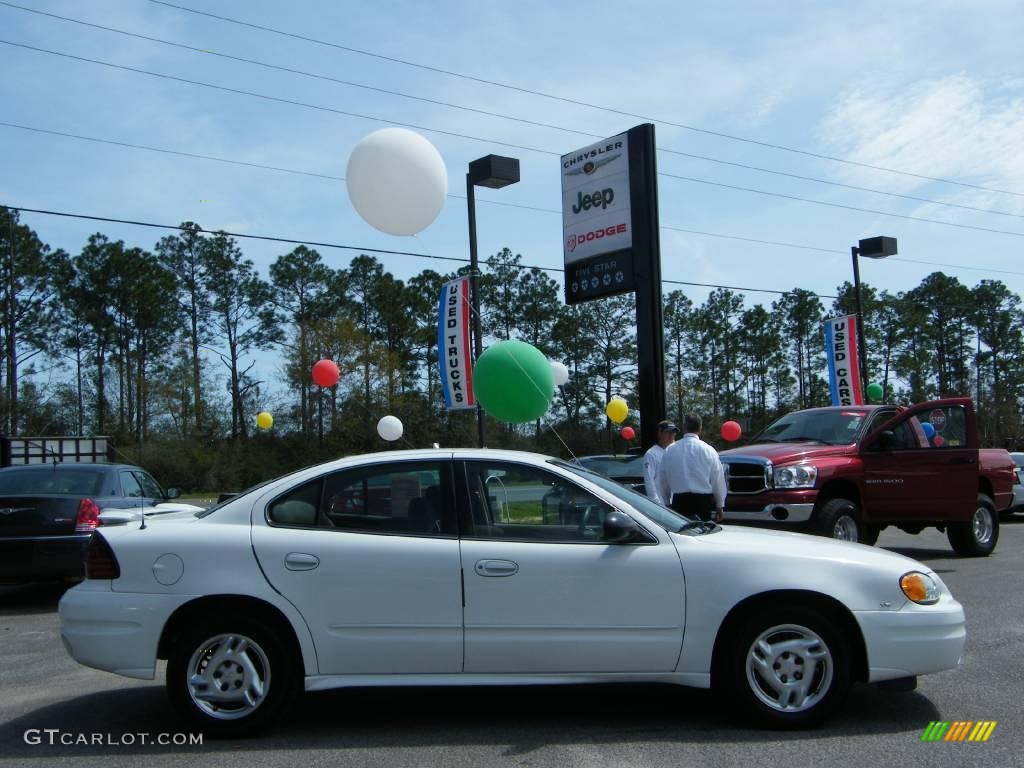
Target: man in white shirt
{"x": 667, "y": 432}
{"x": 690, "y": 476}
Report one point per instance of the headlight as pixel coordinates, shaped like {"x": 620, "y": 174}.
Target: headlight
{"x": 799, "y": 476}
{"x": 920, "y": 587}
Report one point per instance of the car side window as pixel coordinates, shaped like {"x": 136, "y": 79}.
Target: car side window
{"x": 404, "y": 498}
{"x": 130, "y": 485}
{"x": 150, "y": 487}
{"x": 298, "y": 507}
{"x": 945, "y": 427}
{"x": 517, "y": 502}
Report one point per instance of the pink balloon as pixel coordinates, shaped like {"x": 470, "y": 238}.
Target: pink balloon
{"x": 326, "y": 373}
{"x": 731, "y": 431}
{"x": 628, "y": 433}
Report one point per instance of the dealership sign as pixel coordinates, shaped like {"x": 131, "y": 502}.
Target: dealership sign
{"x": 597, "y": 226}
{"x": 843, "y": 370}
{"x": 453, "y": 350}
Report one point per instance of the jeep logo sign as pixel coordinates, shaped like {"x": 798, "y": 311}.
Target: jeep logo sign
{"x": 596, "y": 216}
{"x": 604, "y": 198}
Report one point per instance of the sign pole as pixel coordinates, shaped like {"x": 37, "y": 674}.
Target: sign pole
{"x": 650, "y": 344}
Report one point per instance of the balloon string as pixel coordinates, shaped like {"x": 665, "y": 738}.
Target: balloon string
{"x": 567, "y": 448}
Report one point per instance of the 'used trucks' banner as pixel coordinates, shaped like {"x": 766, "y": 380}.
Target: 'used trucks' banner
{"x": 453, "y": 350}
{"x": 843, "y": 369}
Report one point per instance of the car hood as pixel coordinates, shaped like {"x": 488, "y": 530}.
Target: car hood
{"x": 779, "y": 452}
{"x": 769, "y": 545}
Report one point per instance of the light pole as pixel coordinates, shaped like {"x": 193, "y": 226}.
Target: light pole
{"x": 493, "y": 172}
{"x": 872, "y": 248}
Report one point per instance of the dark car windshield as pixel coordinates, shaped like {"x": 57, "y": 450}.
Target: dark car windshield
{"x": 830, "y": 427}
{"x": 614, "y": 466}
{"x": 666, "y": 518}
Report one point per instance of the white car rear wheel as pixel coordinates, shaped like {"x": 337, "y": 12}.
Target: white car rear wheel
{"x": 231, "y": 676}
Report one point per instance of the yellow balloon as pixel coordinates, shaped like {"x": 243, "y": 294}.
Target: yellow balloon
{"x": 264, "y": 420}
{"x": 617, "y": 410}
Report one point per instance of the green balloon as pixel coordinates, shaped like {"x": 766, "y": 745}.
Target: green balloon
{"x": 875, "y": 392}
{"x": 513, "y": 382}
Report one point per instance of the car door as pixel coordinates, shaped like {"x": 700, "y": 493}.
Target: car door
{"x": 544, "y": 592}
{"x": 370, "y": 558}
{"x": 928, "y": 469}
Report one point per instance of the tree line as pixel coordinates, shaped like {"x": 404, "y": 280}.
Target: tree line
{"x": 157, "y": 348}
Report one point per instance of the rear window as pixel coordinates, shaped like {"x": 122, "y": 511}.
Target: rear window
{"x": 58, "y": 480}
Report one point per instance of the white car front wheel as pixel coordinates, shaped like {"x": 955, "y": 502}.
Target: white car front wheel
{"x": 789, "y": 666}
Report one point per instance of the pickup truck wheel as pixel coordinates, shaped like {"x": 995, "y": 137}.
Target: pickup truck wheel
{"x": 978, "y": 537}
{"x": 840, "y": 519}
{"x": 230, "y": 676}
{"x": 789, "y": 666}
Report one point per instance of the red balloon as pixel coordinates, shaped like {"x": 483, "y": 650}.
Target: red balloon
{"x": 326, "y": 373}
{"x": 937, "y": 441}
{"x": 731, "y": 431}
{"x": 628, "y": 433}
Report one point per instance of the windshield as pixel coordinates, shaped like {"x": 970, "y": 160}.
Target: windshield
{"x": 666, "y": 518}
{"x": 829, "y": 427}
{"x": 614, "y": 466}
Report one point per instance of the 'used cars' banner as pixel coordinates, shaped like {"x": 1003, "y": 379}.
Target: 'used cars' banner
{"x": 453, "y": 350}
{"x": 843, "y": 369}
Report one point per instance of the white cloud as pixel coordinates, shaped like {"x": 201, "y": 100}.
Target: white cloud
{"x": 955, "y": 127}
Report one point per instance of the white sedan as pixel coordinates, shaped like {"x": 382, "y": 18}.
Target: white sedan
{"x": 482, "y": 567}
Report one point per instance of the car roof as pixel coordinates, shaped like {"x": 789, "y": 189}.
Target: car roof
{"x": 50, "y": 466}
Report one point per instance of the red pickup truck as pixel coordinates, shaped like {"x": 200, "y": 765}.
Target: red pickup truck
{"x": 849, "y": 472}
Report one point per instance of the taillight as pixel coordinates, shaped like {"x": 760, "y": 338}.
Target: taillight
{"x": 88, "y": 516}
{"x": 100, "y": 562}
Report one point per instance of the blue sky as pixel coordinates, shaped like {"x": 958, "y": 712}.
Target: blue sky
{"x": 929, "y": 88}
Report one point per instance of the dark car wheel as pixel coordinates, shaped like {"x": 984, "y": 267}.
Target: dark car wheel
{"x": 788, "y": 666}
{"x": 230, "y": 676}
{"x": 840, "y": 519}
{"x": 978, "y": 537}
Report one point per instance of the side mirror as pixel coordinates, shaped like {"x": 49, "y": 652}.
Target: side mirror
{"x": 620, "y": 528}
{"x": 173, "y": 493}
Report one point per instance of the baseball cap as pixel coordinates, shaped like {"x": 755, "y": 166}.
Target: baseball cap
{"x": 667, "y": 426}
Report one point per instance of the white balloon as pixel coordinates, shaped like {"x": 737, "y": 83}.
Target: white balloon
{"x": 559, "y": 372}
{"x": 390, "y": 428}
{"x": 396, "y": 181}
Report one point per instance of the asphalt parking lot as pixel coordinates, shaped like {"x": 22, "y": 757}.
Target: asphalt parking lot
{"x": 631, "y": 725}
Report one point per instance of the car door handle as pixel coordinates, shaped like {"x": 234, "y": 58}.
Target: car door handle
{"x": 300, "y": 561}
{"x": 961, "y": 460}
{"x": 496, "y": 567}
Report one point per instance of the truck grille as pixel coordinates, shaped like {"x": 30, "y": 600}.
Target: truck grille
{"x": 746, "y": 476}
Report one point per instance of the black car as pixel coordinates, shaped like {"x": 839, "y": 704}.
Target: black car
{"x": 49, "y": 511}
{"x": 626, "y": 470}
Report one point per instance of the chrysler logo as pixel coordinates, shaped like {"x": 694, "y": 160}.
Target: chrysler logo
{"x": 592, "y": 165}
{"x": 12, "y": 510}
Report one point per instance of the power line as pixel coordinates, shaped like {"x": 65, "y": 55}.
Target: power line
{"x": 577, "y": 102}
{"x": 841, "y": 205}
{"x": 501, "y": 143}
{"x": 362, "y": 249}
{"x": 671, "y": 227}
{"x": 513, "y": 118}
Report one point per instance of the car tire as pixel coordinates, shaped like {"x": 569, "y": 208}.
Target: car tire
{"x": 243, "y": 657}
{"x": 978, "y": 536}
{"x": 841, "y": 519}
{"x": 765, "y": 670}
